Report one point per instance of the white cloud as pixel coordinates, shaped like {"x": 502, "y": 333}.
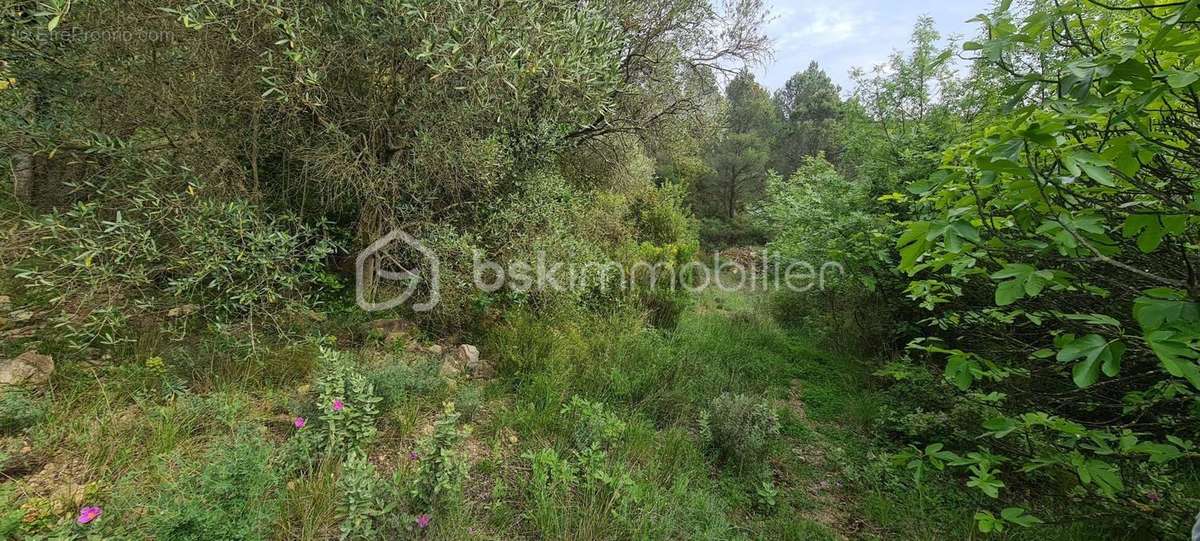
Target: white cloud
{"x": 842, "y": 34}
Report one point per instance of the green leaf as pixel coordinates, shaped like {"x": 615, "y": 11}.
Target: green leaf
{"x": 1098, "y": 355}
{"x": 1026, "y": 281}
{"x": 1161, "y": 306}
{"x": 1009, "y": 292}
{"x": 987, "y": 522}
{"x": 1176, "y": 354}
{"x": 1099, "y": 174}
{"x": 912, "y": 244}
{"x": 1102, "y": 474}
{"x": 1180, "y": 79}
{"x": 1148, "y": 228}
{"x": 1000, "y": 427}
{"x": 1018, "y": 516}
{"x": 960, "y": 371}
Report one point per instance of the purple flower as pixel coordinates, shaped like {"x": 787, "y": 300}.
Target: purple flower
{"x": 299, "y": 422}
{"x": 88, "y": 514}
{"x": 1154, "y": 497}
{"x": 423, "y": 520}
{"x": 412, "y": 455}
{"x": 337, "y": 404}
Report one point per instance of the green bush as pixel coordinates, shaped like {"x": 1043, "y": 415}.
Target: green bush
{"x": 346, "y": 403}
{"x": 360, "y": 504}
{"x": 342, "y": 419}
{"x": 443, "y": 468}
{"x": 133, "y": 251}
{"x": 19, "y": 410}
{"x": 232, "y": 496}
{"x": 740, "y": 428}
{"x": 398, "y": 380}
{"x": 594, "y": 425}
{"x": 664, "y": 307}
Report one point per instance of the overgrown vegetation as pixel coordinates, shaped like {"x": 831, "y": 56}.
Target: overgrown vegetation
{"x": 1010, "y": 347}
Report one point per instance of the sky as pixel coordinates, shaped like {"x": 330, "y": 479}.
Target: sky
{"x": 842, "y": 34}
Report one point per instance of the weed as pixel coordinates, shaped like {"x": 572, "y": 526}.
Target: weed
{"x": 594, "y": 425}
{"x": 397, "y": 381}
{"x": 231, "y": 497}
{"x": 19, "y": 409}
{"x": 442, "y": 468}
{"x": 739, "y": 428}
{"x": 360, "y": 504}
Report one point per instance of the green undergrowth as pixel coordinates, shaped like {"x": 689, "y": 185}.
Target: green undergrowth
{"x": 596, "y": 427}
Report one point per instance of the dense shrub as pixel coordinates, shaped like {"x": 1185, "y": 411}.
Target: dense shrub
{"x": 1054, "y": 255}
{"x": 346, "y": 404}
{"x": 230, "y": 497}
{"x": 595, "y": 425}
{"x": 342, "y": 419}
{"x": 820, "y": 218}
{"x": 443, "y": 467}
{"x": 739, "y": 428}
{"x": 132, "y": 252}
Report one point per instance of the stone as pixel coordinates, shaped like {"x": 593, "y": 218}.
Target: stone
{"x": 434, "y": 349}
{"x": 385, "y": 327}
{"x": 5, "y": 300}
{"x": 467, "y": 356}
{"x": 182, "y": 311}
{"x": 29, "y": 368}
{"x": 484, "y": 370}
{"x": 70, "y": 494}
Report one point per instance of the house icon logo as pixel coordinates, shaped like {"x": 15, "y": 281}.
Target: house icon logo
{"x": 369, "y": 272}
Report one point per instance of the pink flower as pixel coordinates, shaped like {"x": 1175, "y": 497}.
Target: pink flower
{"x": 423, "y": 520}
{"x": 299, "y": 422}
{"x": 88, "y": 514}
{"x": 1154, "y": 497}
{"x": 337, "y": 404}
{"x": 412, "y": 455}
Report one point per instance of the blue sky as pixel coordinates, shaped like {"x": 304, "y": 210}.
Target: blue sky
{"x": 842, "y": 34}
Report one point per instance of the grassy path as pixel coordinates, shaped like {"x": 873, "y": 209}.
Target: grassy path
{"x": 658, "y": 383}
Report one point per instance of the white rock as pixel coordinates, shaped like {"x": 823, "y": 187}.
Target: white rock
{"x": 467, "y": 356}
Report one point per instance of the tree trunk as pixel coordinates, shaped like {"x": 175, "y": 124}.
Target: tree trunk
{"x": 732, "y": 201}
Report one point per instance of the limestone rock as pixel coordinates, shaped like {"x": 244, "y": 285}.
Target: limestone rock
{"x": 467, "y": 356}
{"x": 29, "y": 368}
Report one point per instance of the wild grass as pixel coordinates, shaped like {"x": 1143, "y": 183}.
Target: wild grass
{"x": 591, "y": 431}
